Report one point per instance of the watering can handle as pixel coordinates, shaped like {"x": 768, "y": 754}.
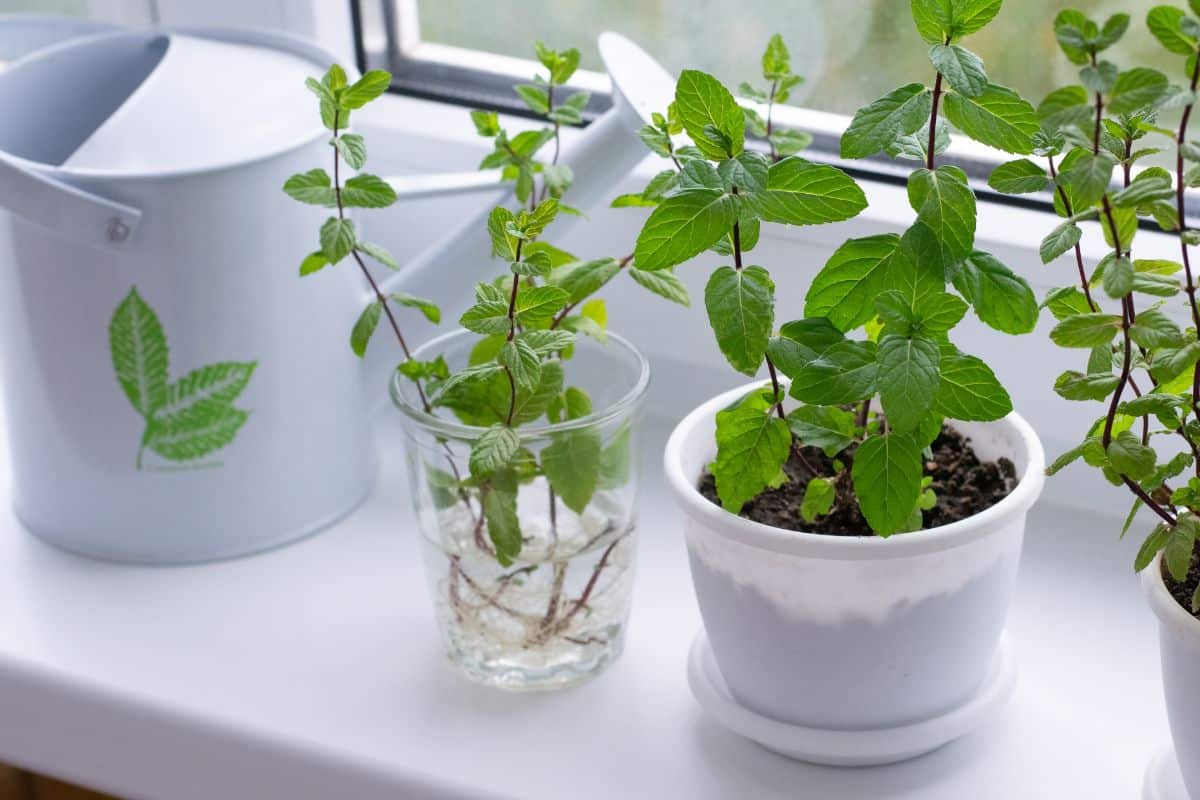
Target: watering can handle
{"x": 411, "y": 187}
{"x": 63, "y": 208}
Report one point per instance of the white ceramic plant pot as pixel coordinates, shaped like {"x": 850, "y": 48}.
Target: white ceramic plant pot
{"x": 853, "y": 633}
{"x": 1179, "y": 641}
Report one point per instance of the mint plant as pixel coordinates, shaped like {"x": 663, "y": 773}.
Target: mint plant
{"x": 894, "y": 289}
{"x": 1140, "y": 364}
{"x": 338, "y": 235}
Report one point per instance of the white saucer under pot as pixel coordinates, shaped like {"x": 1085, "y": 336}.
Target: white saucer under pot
{"x": 1179, "y": 642}
{"x": 853, "y": 633}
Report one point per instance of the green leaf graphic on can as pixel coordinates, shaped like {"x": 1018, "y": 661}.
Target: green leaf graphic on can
{"x": 187, "y": 419}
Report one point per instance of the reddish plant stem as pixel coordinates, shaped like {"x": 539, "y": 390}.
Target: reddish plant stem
{"x": 770, "y": 111}
{"x": 1181, "y": 212}
{"x": 937, "y": 96}
{"x": 737, "y": 264}
{"x": 1083, "y": 280}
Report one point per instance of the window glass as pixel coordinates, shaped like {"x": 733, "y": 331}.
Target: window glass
{"x": 851, "y": 51}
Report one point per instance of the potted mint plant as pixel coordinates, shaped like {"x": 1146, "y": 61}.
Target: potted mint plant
{"x": 1141, "y": 366}
{"x": 854, "y": 522}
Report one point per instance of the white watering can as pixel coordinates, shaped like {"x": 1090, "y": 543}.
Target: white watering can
{"x": 174, "y": 391}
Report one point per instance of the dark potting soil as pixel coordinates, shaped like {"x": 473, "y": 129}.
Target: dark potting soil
{"x": 964, "y": 486}
{"x": 1183, "y": 592}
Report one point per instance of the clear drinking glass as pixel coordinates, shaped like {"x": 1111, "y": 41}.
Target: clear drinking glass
{"x": 557, "y": 615}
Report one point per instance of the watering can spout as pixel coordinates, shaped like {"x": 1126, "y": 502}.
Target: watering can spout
{"x": 600, "y": 156}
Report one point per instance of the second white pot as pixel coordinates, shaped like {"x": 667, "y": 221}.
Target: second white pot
{"x": 853, "y": 633}
{"x": 1179, "y": 641}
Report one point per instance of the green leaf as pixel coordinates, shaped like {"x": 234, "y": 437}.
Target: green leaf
{"x": 1155, "y": 329}
{"x": 802, "y": 193}
{"x": 378, "y": 253}
{"x": 747, "y": 171}
{"x": 534, "y": 96}
{"x": 493, "y": 450}
{"x": 844, "y": 373}
{"x": 1164, "y": 23}
{"x": 1177, "y": 554}
{"x": 364, "y": 327}
{"x": 1099, "y": 79}
{"x": 368, "y": 191}
{"x": 546, "y": 342}
{"x": 194, "y": 432}
{"x": 1088, "y": 178}
{"x": 752, "y": 445}
{"x": 504, "y": 245}
{"x": 503, "y": 525}
{"x": 740, "y": 307}
{"x": 1073, "y": 385}
{"x": 845, "y": 289}
{"x": 887, "y": 480}
{"x": 489, "y": 315}
{"x": 1060, "y": 240}
{"x": 789, "y": 142}
{"x": 616, "y": 461}
{"x": 961, "y": 68}
{"x": 1130, "y": 457}
{"x": 1171, "y": 362}
{"x": 572, "y": 465}
{"x": 365, "y": 89}
{"x": 139, "y": 353}
{"x": 663, "y": 283}
{"x": 997, "y": 117}
{"x": 968, "y": 389}
{"x": 1086, "y": 330}
{"x": 1145, "y": 188}
{"x": 1066, "y": 302}
{"x": 487, "y": 123}
{"x": 946, "y": 205}
{"x": 819, "y": 495}
{"x": 536, "y": 306}
{"x": 523, "y": 364}
{"x": 585, "y": 278}
{"x": 1019, "y": 177}
{"x": 700, "y": 174}
{"x": 352, "y": 148}
{"x": 1001, "y": 298}
{"x": 702, "y": 100}
{"x": 801, "y": 342}
{"x": 1068, "y": 105}
{"x": 337, "y": 239}
{"x": 1136, "y": 89}
{"x": 314, "y": 187}
{"x": 1155, "y": 542}
{"x": 1118, "y": 277}
{"x": 683, "y": 226}
{"x": 881, "y": 123}
{"x": 828, "y": 427}
{"x": 908, "y": 378}
{"x": 313, "y": 262}
{"x": 776, "y": 61}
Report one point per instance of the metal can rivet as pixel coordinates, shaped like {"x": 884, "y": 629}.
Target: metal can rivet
{"x": 118, "y": 230}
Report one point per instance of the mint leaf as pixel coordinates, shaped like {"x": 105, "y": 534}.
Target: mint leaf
{"x": 1118, "y": 278}
{"x": 615, "y": 460}
{"x": 495, "y": 448}
{"x": 428, "y": 309}
{"x": 536, "y": 306}
{"x": 700, "y": 174}
{"x": 546, "y": 342}
{"x": 683, "y": 226}
{"x": 740, "y": 307}
{"x": 503, "y": 525}
{"x": 523, "y": 364}
{"x": 572, "y": 465}
{"x": 828, "y": 427}
{"x": 747, "y": 171}
{"x": 1130, "y": 457}
{"x": 1060, "y": 240}
{"x": 845, "y": 289}
{"x": 1068, "y": 105}
{"x": 819, "y": 495}
{"x": 702, "y": 101}
{"x": 663, "y": 283}
{"x": 504, "y": 245}
{"x": 908, "y": 378}
{"x": 1165, "y": 22}
{"x": 1087, "y": 177}
{"x": 1086, "y": 330}
{"x": 139, "y": 353}
{"x": 352, "y": 148}
{"x": 1177, "y": 554}
{"x": 1155, "y": 329}
{"x": 368, "y": 191}
{"x": 1001, "y": 298}
{"x": 802, "y": 193}
{"x": 776, "y": 61}
{"x": 364, "y": 327}
{"x": 378, "y": 253}
{"x": 584, "y": 278}
{"x": 365, "y": 89}
{"x": 313, "y": 262}
{"x": 997, "y": 117}
{"x": 961, "y": 68}
{"x": 314, "y": 187}
{"x": 946, "y": 205}
{"x": 881, "y": 123}
{"x": 1137, "y": 89}
{"x": 752, "y": 445}
{"x": 844, "y": 373}
{"x": 1074, "y": 385}
{"x": 337, "y": 239}
{"x": 887, "y": 480}
{"x": 1019, "y": 177}
{"x": 968, "y": 389}
{"x": 194, "y": 432}
{"x": 489, "y": 315}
